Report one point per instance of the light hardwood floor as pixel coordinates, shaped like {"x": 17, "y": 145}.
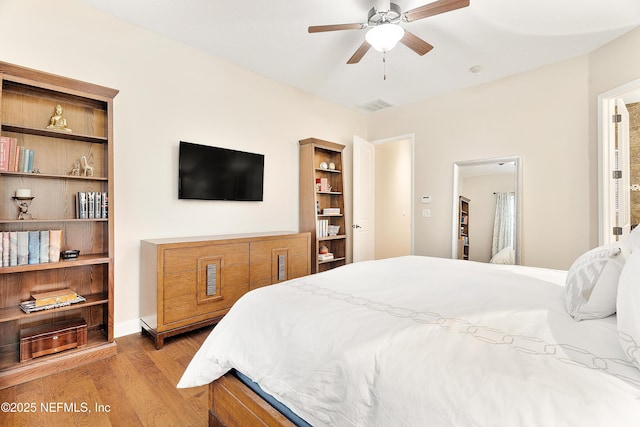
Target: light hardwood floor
{"x": 137, "y": 387}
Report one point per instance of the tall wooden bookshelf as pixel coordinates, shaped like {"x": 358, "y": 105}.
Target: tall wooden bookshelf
{"x": 321, "y": 188}
{"x": 463, "y": 235}
{"x": 28, "y": 100}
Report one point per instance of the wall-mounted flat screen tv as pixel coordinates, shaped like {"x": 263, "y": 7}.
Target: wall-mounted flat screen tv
{"x": 213, "y": 173}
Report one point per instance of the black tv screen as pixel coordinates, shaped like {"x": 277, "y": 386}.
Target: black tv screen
{"x": 213, "y": 173}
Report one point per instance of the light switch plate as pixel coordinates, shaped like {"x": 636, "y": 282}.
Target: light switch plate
{"x": 426, "y": 213}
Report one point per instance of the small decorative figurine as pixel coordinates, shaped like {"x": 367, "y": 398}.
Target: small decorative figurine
{"x": 76, "y": 170}
{"x": 23, "y": 199}
{"x": 58, "y": 122}
{"x": 87, "y": 170}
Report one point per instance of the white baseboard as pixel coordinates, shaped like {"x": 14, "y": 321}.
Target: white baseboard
{"x": 126, "y": 328}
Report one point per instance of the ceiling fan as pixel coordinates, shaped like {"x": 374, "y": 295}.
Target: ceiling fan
{"x": 385, "y": 31}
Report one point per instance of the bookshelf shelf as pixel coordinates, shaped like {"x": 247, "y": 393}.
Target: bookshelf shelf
{"x": 338, "y": 237}
{"x": 328, "y": 170}
{"x": 52, "y": 176}
{"x": 80, "y": 261}
{"x": 50, "y": 220}
{"x": 330, "y": 261}
{"x": 28, "y": 99}
{"x": 53, "y": 134}
{"x": 9, "y": 314}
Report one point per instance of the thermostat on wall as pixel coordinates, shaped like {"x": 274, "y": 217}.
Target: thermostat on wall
{"x": 426, "y": 199}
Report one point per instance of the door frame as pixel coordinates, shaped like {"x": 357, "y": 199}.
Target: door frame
{"x": 606, "y": 101}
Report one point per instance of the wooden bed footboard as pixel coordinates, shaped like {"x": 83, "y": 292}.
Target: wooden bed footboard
{"x": 231, "y": 404}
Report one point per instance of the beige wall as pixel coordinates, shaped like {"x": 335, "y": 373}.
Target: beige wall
{"x": 393, "y": 199}
{"x": 170, "y": 92}
{"x": 540, "y": 115}
{"x": 548, "y": 116}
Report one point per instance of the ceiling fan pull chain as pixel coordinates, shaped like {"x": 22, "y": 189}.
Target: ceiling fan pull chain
{"x": 384, "y": 65}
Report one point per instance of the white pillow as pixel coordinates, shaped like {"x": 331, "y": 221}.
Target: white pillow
{"x": 633, "y": 239}
{"x": 592, "y": 282}
{"x": 504, "y": 256}
{"x": 628, "y": 311}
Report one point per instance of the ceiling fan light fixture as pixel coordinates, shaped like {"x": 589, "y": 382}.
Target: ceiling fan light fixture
{"x": 385, "y": 36}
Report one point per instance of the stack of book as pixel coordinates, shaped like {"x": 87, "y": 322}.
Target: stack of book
{"x": 325, "y": 257}
{"x": 48, "y": 300}
{"x": 92, "y": 204}
{"x": 14, "y": 157}
{"x": 29, "y": 247}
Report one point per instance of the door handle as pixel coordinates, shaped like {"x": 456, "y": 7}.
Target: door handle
{"x": 355, "y": 226}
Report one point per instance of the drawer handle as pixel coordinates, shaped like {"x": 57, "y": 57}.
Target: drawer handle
{"x": 55, "y": 337}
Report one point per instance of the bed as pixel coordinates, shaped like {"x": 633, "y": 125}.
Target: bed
{"x": 415, "y": 341}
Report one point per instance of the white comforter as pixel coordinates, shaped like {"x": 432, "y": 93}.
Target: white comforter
{"x": 418, "y": 341}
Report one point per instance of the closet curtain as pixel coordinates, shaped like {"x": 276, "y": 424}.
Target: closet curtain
{"x": 504, "y": 222}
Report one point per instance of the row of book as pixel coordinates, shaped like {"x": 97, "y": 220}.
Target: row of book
{"x": 14, "y": 157}
{"x": 322, "y": 185}
{"x": 30, "y": 247}
{"x": 92, "y": 204}
{"x": 322, "y": 228}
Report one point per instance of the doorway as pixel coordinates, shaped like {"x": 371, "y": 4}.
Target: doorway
{"x": 619, "y": 174}
{"x": 394, "y": 194}
{"x": 383, "y": 198}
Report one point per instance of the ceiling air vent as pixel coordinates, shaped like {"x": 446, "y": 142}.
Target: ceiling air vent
{"x": 375, "y": 105}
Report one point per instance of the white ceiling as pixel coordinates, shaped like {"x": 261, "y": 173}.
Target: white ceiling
{"x": 503, "y": 37}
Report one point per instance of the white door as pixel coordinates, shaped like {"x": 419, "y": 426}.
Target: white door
{"x": 621, "y": 182}
{"x": 363, "y": 199}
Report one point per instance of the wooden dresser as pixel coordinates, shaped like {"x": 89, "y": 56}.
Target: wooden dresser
{"x": 188, "y": 283}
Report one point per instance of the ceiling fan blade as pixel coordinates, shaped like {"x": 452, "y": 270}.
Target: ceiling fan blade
{"x": 335, "y": 27}
{"x": 435, "y": 8}
{"x": 415, "y": 43}
{"x": 357, "y": 56}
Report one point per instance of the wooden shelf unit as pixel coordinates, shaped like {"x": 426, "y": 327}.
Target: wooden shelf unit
{"x": 463, "y": 234}
{"x": 27, "y": 101}
{"x": 313, "y": 153}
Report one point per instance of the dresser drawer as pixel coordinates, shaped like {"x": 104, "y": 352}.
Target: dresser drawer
{"x": 201, "y": 283}
{"x": 277, "y": 260}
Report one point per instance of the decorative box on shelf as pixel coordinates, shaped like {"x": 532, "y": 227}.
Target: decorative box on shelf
{"x": 52, "y": 338}
{"x": 54, "y": 297}
{"x": 49, "y": 300}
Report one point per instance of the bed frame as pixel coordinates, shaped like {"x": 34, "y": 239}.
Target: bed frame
{"x": 231, "y": 403}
